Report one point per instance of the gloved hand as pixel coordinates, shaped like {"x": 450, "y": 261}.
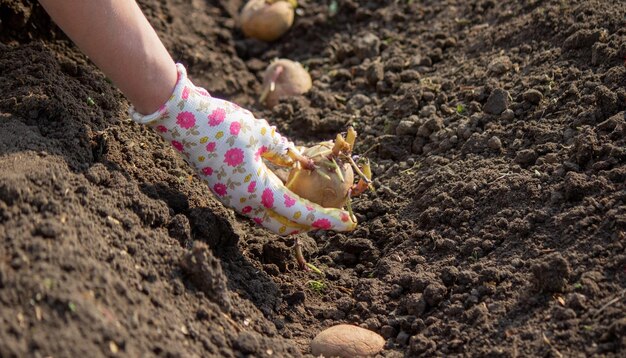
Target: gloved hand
{"x": 226, "y": 144}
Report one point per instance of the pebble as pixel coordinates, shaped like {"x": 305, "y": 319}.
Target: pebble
{"x": 346, "y": 340}
{"x": 507, "y": 115}
{"x": 428, "y": 110}
{"x": 358, "y": 101}
{"x": 375, "y": 72}
{"x": 532, "y": 96}
{"x": 497, "y": 102}
{"x": 402, "y": 338}
{"x": 428, "y": 96}
{"x": 409, "y": 76}
{"x": 388, "y": 331}
{"x": 432, "y": 125}
{"x": 406, "y": 127}
{"x": 494, "y": 143}
{"x": 500, "y": 65}
{"x": 367, "y": 46}
{"x": 526, "y": 157}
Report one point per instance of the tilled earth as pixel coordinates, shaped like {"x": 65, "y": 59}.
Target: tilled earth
{"x": 498, "y": 227}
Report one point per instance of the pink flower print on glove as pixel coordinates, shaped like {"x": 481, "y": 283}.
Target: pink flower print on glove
{"x": 220, "y": 189}
{"x": 185, "y": 120}
{"x": 207, "y": 171}
{"x": 233, "y": 157}
{"x": 267, "y": 199}
{"x": 216, "y": 117}
{"x": 178, "y": 145}
{"x": 289, "y": 201}
{"x": 234, "y": 128}
{"x": 225, "y": 143}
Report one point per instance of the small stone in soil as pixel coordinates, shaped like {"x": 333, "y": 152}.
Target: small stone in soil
{"x": 375, "y": 73}
{"x": 532, "y": 96}
{"x": 499, "y": 65}
{"x": 358, "y": 101}
{"x": 402, "y": 338}
{"x": 428, "y": 110}
{"x": 497, "y": 102}
{"x": 494, "y": 143}
{"x": 526, "y": 157}
{"x": 367, "y": 46}
{"x": 406, "y": 127}
{"x": 434, "y": 293}
{"x": 387, "y": 331}
{"x": 507, "y": 115}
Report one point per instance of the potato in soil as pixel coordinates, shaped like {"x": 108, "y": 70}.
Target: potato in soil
{"x": 284, "y": 78}
{"x": 266, "y": 20}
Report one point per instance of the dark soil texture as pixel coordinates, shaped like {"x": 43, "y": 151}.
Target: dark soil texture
{"x": 497, "y": 134}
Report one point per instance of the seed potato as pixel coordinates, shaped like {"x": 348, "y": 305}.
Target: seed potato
{"x": 266, "y": 20}
{"x": 347, "y": 341}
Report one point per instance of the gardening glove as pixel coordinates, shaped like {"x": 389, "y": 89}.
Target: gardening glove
{"x": 226, "y": 144}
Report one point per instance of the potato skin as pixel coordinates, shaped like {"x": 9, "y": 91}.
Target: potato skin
{"x": 264, "y": 21}
{"x": 345, "y": 340}
{"x": 294, "y": 80}
{"x": 309, "y": 184}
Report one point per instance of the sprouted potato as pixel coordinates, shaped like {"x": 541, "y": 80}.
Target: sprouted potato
{"x": 284, "y": 78}
{"x": 328, "y": 184}
{"x": 325, "y": 173}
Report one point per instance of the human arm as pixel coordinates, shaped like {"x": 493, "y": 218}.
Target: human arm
{"x": 118, "y": 38}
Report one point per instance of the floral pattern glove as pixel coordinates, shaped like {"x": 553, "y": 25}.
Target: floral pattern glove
{"x": 226, "y": 144}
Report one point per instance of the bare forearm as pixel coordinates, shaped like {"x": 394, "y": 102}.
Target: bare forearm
{"x": 119, "y": 40}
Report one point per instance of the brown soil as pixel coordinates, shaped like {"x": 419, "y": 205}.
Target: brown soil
{"x": 498, "y": 228}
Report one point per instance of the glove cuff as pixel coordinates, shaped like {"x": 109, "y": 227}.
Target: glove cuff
{"x": 174, "y": 98}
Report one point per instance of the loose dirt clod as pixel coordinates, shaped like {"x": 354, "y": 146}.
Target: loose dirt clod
{"x": 267, "y": 20}
{"x": 551, "y": 273}
{"x": 284, "y": 78}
